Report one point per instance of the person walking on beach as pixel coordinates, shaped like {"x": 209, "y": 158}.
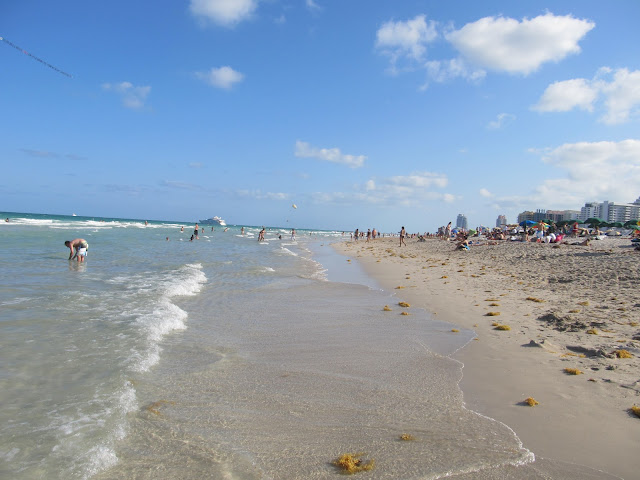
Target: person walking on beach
{"x": 78, "y": 248}
{"x": 261, "y": 235}
{"x": 403, "y": 233}
{"x": 356, "y": 234}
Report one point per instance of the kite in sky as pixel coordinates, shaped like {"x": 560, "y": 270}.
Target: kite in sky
{"x": 34, "y": 57}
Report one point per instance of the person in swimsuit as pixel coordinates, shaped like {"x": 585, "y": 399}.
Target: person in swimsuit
{"x": 78, "y": 248}
{"x": 403, "y": 233}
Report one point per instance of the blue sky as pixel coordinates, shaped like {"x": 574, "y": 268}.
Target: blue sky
{"x": 363, "y": 113}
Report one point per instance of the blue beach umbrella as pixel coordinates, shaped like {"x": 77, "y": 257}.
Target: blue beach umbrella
{"x": 527, "y": 223}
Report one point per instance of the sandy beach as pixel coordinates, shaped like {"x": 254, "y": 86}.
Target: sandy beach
{"x": 537, "y": 309}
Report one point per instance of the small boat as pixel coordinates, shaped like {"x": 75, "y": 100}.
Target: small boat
{"x": 213, "y": 221}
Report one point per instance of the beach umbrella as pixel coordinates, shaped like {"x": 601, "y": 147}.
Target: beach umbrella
{"x": 617, "y": 224}
{"x": 630, "y": 223}
{"x": 593, "y": 221}
{"x": 527, "y": 223}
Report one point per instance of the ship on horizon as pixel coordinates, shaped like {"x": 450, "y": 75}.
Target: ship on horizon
{"x": 213, "y": 221}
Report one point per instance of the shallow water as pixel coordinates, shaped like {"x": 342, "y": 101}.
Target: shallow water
{"x": 223, "y": 358}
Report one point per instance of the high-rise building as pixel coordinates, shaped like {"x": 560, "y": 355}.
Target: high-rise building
{"x": 528, "y": 215}
{"x": 461, "y": 221}
{"x": 501, "y": 220}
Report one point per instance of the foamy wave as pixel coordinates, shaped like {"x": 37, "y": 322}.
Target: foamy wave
{"x": 288, "y": 252}
{"x": 187, "y": 281}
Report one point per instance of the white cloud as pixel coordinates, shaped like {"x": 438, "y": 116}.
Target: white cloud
{"x": 195, "y": 165}
{"x": 414, "y": 190}
{"x": 619, "y": 91}
{"x": 333, "y": 155}
{"x": 567, "y": 95}
{"x": 223, "y": 77}
{"x": 132, "y": 96}
{"x": 502, "y": 120}
{"x": 406, "y": 39}
{"x": 593, "y": 170}
{"x": 419, "y": 180}
{"x": 445, "y": 70}
{"x": 223, "y": 12}
{"x": 622, "y": 96}
{"x": 485, "y": 193}
{"x": 313, "y": 6}
{"x": 508, "y": 45}
{"x": 259, "y": 195}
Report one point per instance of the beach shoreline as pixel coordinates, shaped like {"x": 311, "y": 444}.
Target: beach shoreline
{"x": 566, "y": 306}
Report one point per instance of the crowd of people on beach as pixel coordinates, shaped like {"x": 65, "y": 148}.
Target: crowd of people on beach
{"x": 531, "y": 232}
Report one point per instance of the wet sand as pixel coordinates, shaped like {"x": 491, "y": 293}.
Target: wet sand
{"x": 565, "y": 306}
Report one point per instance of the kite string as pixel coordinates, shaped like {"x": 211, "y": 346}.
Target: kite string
{"x": 34, "y": 57}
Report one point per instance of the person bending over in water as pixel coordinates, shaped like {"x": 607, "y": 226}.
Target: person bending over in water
{"x": 78, "y": 248}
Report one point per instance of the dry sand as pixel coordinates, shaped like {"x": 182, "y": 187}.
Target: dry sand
{"x": 567, "y": 306}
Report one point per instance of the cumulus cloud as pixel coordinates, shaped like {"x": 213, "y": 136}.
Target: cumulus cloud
{"x": 407, "y": 39}
{"x": 485, "y": 193}
{"x": 619, "y": 91}
{"x": 227, "y": 13}
{"x": 333, "y": 155}
{"x": 622, "y": 96}
{"x": 591, "y": 170}
{"x": 132, "y": 97}
{"x": 567, "y": 95}
{"x": 501, "y": 120}
{"x": 508, "y": 45}
{"x": 499, "y": 44}
{"x": 223, "y": 77}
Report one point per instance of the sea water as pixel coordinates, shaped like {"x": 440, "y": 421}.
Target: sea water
{"x": 224, "y": 358}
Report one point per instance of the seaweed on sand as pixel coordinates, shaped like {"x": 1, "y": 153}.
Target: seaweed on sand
{"x": 492, "y": 314}
{"x": 404, "y": 304}
{"x": 352, "y": 463}
{"x": 572, "y": 371}
{"x": 503, "y": 327}
{"x": 623, "y": 354}
{"x": 532, "y": 402}
{"x": 534, "y": 299}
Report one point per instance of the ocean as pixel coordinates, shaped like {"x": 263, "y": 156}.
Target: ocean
{"x": 224, "y": 358}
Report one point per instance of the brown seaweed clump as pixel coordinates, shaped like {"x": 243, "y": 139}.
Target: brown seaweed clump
{"x": 405, "y": 313}
{"x": 410, "y": 438}
{"x": 532, "y": 402}
{"x": 623, "y": 354}
{"x": 455, "y": 330}
{"x": 503, "y": 327}
{"x": 492, "y": 314}
{"x": 386, "y": 308}
{"x": 635, "y": 409}
{"x": 592, "y": 331}
{"x": 572, "y": 371}
{"x": 352, "y": 463}
{"x": 534, "y": 299}
{"x": 404, "y": 304}
{"x": 155, "y": 406}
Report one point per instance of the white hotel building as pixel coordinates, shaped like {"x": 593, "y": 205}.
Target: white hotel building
{"x": 611, "y": 211}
